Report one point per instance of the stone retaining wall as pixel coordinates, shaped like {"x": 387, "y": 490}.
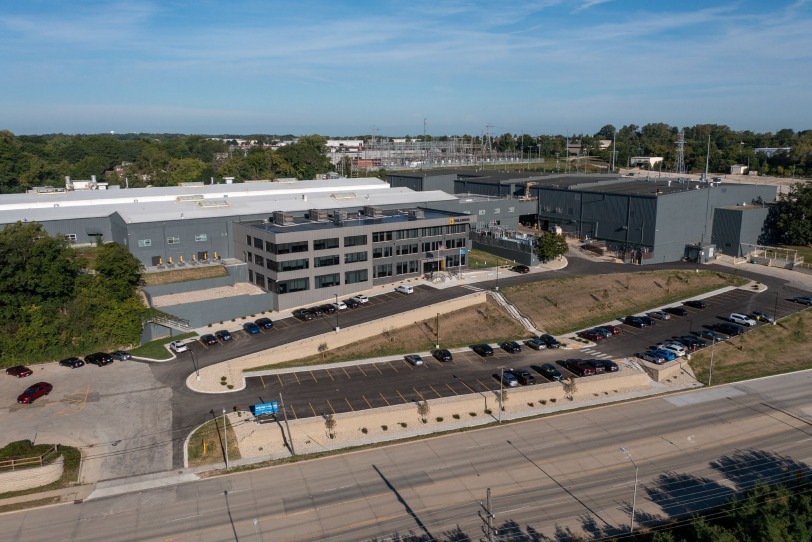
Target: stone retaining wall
{"x": 20, "y": 480}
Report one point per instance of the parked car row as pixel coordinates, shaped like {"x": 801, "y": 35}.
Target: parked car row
{"x": 582, "y": 367}
{"x": 311, "y": 313}
{"x": 597, "y": 334}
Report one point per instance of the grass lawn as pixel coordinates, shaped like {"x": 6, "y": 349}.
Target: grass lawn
{"x": 486, "y": 322}
{"x": 479, "y": 259}
{"x": 206, "y": 444}
{"x": 571, "y": 303}
{"x": 803, "y": 250}
{"x": 767, "y": 350}
{"x": 156, "y": 349}
{"x": 24, "y": 448}
{"x": 183, "y": 275}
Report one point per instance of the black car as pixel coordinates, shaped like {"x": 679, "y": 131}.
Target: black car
{"x": 483, "y": 350}
{"x": 549, "y": 340}
{"x": 352, "y": 303}
{"x": 648, "y": 321}
{"x": 677, "y": 311}
{"x": 608, "y": 365}
{"x": 692, "y": 342}
{"x": 223, "y": 335}
{"x": 523, "y": 376}
{"x": 317, "y": 311}
{"x": 696, "y": 304}
{"x": 99, "y": 358}
{"x": 596, "y": 365}
{"x": 304, "y": 315}
{"x": 634, "y": 321}
{"x": 208, "y": 339}
{"x": 535, "y": 344}
{"x": 442, "y": 355}
{"x": 264, "y": 323}
{"x": 729, "y": 329}
{"x": 511, "y": 347}
{"x": 121, "y": 355}
{"x": 520, "y": 269}
{"x": 73, "y": 363}
{"x": 329, "y": 308}
{"x": 549, "y": 371}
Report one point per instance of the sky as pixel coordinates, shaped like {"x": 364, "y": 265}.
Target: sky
{"x": 395, "y": 68}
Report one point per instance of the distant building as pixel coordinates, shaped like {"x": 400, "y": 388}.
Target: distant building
{"x": 769, "y": 152}
{"x": 738, "y": 169}
{"x": 648, "y": 161}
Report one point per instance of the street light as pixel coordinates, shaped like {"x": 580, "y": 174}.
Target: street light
{"x": 194, "y": 363}
{"x": 501, "y": 391}
{"x": 710, "y": 373}
{"x": 497, "y": 273}
{"x": 775, "y": 310}
{"x": 634, "y": 498}
{"x": 337, "y": 311}
{"x": 225, "y": 436}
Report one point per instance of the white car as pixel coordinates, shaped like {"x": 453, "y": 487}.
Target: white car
{"x": 651, "y": 357}
{"x": 361, "y": 298}
{"x": 404, "y": 289}
{"x": 672, "y": 346}
{"x": 742, "y": 319}
{"x": 340, "y": 305}
{"x": 178, "y": 346}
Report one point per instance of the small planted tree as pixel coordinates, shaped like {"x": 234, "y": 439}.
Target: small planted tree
{"x": 570, "y": 387}
{"x": 503, "y": 397}
{"x": 423, "y": 410}
{"x": 330, "y": 425}
{"x": 323, "y": 349}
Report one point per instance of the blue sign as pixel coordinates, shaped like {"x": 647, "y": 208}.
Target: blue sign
{"x": 266, "y": 408}
{"x": 463, "y": 251}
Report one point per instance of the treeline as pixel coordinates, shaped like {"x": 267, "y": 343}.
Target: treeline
{"x": 53, "y": 307}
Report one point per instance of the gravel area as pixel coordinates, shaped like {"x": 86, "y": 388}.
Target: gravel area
{"x": 241, "y": 288}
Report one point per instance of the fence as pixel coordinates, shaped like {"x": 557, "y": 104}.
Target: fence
{"x": 28, "y": 462}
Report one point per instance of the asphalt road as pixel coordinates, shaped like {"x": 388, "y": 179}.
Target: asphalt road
{"x": 549, "y": 477}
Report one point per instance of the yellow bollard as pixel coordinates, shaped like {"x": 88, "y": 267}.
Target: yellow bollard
{"x": 204, "y": 448}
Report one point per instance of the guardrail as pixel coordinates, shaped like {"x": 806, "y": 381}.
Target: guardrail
{"x": 175, "y": 323}
{"x": 28, "y": 462}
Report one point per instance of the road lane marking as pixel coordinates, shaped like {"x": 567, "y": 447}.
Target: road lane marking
{"x": 483, "y": 385}
{"x": 419, "y": 394}
{"x": 376, "y": 366}
{"x": 384, "y": 399}
{"x": 279, "y": 376}
{"x": 293, "y": 411}
{"x": 296, "y": 375}
{"x": 435, "y": 391}
{"x": 467, "y": 386}
{"x": 360, "y": 369}
{"x": 392, "y": 366}
{"x": 345, "y": 372}
{"x": 367, "y": 400}
{"x": 349, "y": 404}
{"x": 262, "y": 380}
{"x": 313, "y": 410}
{"x": 314, "y": 377}
{"x": 330, "y": 374}
{"x": 452, "y": 389}
{"x": 401, "y": 396}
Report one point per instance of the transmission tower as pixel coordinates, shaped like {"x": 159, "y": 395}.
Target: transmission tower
{"x": 680, "y": 165}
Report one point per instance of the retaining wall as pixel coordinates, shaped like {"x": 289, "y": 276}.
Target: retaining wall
{"x": 20, "y": 480}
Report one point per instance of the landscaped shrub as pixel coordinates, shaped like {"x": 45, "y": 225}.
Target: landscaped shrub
{"x": 488, "y": 411}
{"x": 455, "y": 416}
{"x": 472, "y": 414}
{"x": 364, "y": 430}
{"x": 543, "y": 401}
{"x": 403, "y": 424}
{"x": 385, "y": 427}
{"x": 439, "y": 418}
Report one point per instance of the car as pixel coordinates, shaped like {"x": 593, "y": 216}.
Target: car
{"x": 668, "y": 355}
{"x": 223, "y": 335}
{"x": 404, "y": 289}
{"x": 73, "y": 363}
{"x": 264, "y": 323}
{"x": 608, "y": 365}
{"x": 121, "y": 355}
{"x": 677, "y": 311}
{"x": 340, "y": 306}
{"x": 672, "y": 346}
{"x": 20, "y": 371}
{"x": 659, "y": 315}
{"x": 614, "y": 330}
{"x": 695, "y": 304}
{"x": 596, "y": 366}
{"x": 520, "y": 269}
{"x": 550, "y": 372}
{"x": 34, "y": 392}
{"x": 803, "y": 300}
{"x": 729, "y": 329}
{"x": 652, "y": 357}
{"x": 304, "y": 315}
{"x": 352, "y": 303}
{"x": 208, "y": 339}
{"x": 511, "y": 347}
{"x": 712, "y": 335}
{"x": 414, "y": 359}
{"x": 634, "y": 321}
{"x": 329, "y": 308}
{"x": 742, "y": 319}
{"x": 251, "y": 328}
{"x": 523, "y": 376}
{"x": 535, "y": 344}
{"x": 316, "y": 311}
{"x": 361, "y": 298}
{"x": 762, "y": 316}
{"x": 99, "y": 358}
{"x": 509, "y": 379}
{"x": 648, "y": 320}
{"x": 483, "y": 350}
{"x": 579, "y": 367}
{"x": 549, "y": 340}
{"x": 442, "y": 355}
{"x": 691, "y": 342}
{"x": 606, "y": 331}
{"x": 591, "y": 335}
{"x": 175, "y": 346}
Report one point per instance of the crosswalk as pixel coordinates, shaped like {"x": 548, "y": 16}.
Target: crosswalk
{"x": 472, "y": 287}
{"x": 595, "y": 353}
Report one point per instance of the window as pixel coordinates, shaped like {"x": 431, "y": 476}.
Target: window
{"x": 248, "y": 240}
{"x": 352, "y": 257}
{"x": 382, "y": 252}
{"x": 290, "y": 286}
{"x": 270, "y": 247}
{"x": 408, "y": 234}
{"x": 497, "y": 210}
{"x": 511, "y": 209}
{"x": 249, "y": 257}
{"x": 200, "y": 237}
{"x": 326, "y": 281}
{"x": 354, "y": 277}
{"x": 71, "y": 237}
{"x": 407, "y": 249}
{"x": 259, "y": 280}
{"x": 433, "y": 232}
{"x": 324, "y": 244}
{"x": 259, "y": 260}
{"x": 290, "y": 265}
{"x": 144, "y": 243}
{"x": 172, "y": 240}
{"x": 402, "y": 268}
{"x": 383, "y": 270}
{"x": 258, "y": 243}
{"x": 381, "y": 236}
{"x": 481, "y": 212}
{"x": 355, "y": 240}
{"x": 288, "y": 248}
{"x": 326, "y": 261}
{"x": 431, "y": 246}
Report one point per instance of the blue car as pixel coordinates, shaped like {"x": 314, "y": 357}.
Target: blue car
{"x": 251, "y": 327}
{"x": 666, "y": 354}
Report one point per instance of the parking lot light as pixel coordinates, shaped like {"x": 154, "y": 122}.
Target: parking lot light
{"x": 337, "y": 311}
{"x": 634, "y": 498}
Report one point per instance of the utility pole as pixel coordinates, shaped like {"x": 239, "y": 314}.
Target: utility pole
{"x": 225, "y": 437}
{"x": 437, "y": 327}
{"x": 501, "y": 390}
{"x": 488, "y": 518}
{"x": 710, "y": 372}
{"x": 285, "y": 414}
{"x": 634, "y": 498}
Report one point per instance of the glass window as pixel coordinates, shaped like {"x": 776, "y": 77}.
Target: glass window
{"x": 289, "y": 265}
{"x": 71, "y": 237}
{"x": 481, "y": 212}
{"x": 202, "y": 237}
{"x": 355, "y": 240}
{"x": 325, "y": 261}
{"x": 249, "y": 257}
{"x": 288, "y": 248}
{"x": 270, "y": 247}
{"x": 326, "y": 281}
{"x": 248, "y": 240}
{"x": 497, "y": 210}
{"x": 259, "y": 260}
{"x": 354, "y": 277}
{"x": 381, "y": 236}
{"x": 408, "y": 234}
{"x": 258, "y": 243}
{"x": 324, "y": 244}
{"x": 383, "y": 270}
{"x": 381, "y": 252}
{"x": 144, "y": 243}
{"x": 289, "y": 286}
{"x": 259, "y": 280}
{"x": 352, "y": 257}
{"x": 172, "y": 240}
{"x": 406, "y": 249}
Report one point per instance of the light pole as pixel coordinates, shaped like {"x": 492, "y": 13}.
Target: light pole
{"x": 501, "y": 391}
{"x": 225, "y": 436}
{"x": 634, "y": 498}
{"x": 194, "y": 363}
{"x": 775, "y": 310}
{"x": 710, "y": 372}
{"x": 497, "y": 273}
{"x": 337, "y": 311}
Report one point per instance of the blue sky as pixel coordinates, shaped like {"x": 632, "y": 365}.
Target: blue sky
{"x": 345, "y": 68}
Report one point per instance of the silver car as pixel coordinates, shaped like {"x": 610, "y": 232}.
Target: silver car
{"x": 659, "y": 315}
{"x": 509, "y": 379}
{"x": 414, "y": 359}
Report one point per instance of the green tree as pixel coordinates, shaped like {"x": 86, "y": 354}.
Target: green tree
{"x": 184, "y": 170}
{"x": 118, "y": 270}
{"x": 550, "y": 246}
{"x": 790, "y": 219}
{"x": 307, "y": 157}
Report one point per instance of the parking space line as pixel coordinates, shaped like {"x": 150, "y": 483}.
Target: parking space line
{"x": 419, "y": 394}
{"x": 483, "y": 385}
{"x": 376, "y": 366}
{"x": 467, "y": 386}
{"x": 345, "y": 372}
{"x": 330, "y": 374}
{"x": 314, "y": 377}
{"x": 360, "y": 369}
{"x": 279, "y": 376}
{"x": 293, "y": 411}
{"x": 330, "y": 405}
{"x": 392, "y": 366}
{"x": 452, "y": 389}
{"x": 349, "y": 405}
{"x": 435, "y": 391}
{"x": 262, "y": 380}
{"x": 384, "y": 399}
{"x": 401, "y": 396}
{"x": 297, "y": 377}
{"x": 313, "y": 410}
{"x": 367, "y": 400}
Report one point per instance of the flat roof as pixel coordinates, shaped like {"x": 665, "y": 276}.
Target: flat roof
{"x": 388, "y": 217}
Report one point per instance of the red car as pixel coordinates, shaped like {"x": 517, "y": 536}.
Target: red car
{"x": 34, "y": 392}
{"x": 614, "y": 330}
{"x": 591, "y": 335}
{"x": 19, "y": 371}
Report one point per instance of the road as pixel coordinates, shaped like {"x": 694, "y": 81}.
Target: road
{"x": 549, "y": 477}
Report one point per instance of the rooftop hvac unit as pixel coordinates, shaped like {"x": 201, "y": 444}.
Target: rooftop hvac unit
{"x": 339, "y": 217}
{"x": 372, "y": 212}
{"x": 281, "y": 218}
{"x": 317, "y": 215}
{"x": 416, "y": 214}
